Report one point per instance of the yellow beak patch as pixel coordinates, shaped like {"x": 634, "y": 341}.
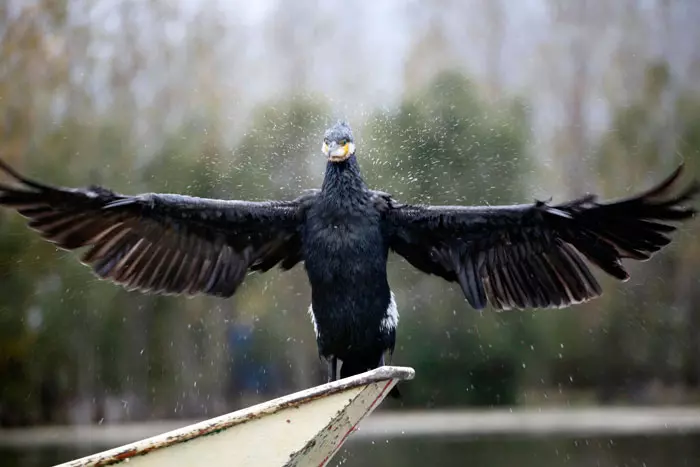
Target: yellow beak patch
{"x": 338, "y": 153}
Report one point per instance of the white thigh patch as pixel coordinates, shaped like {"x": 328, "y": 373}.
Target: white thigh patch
{"x": 313, "y": 319}
{"x": 391, "y": 319}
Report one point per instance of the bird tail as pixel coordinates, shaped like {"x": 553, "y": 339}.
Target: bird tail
{"x": 628, "y": 228}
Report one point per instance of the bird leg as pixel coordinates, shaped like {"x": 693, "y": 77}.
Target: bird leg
{"x": 332, "y": 369}
{"x": 382, "y": 361}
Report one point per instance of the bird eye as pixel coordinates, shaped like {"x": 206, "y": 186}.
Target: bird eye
{"x": 343, "y": 142}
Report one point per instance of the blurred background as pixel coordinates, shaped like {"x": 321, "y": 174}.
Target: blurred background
{"x": 452, "y": 101}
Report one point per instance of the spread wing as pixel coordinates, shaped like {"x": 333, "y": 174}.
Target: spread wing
{"x": 162, "y": 243}
{"x": 531, "y": 255}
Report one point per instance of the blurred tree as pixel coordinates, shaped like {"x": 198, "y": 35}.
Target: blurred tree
{"x": 651, "y": 332}
{"x": 68, "y": 342}
{"x": 444, "y": 145}
{"x": 278, "y": 158}
{"x": 151, "y": 96}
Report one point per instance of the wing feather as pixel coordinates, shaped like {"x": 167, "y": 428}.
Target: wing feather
{"x": 162, "y": 243}
{"x": 526, "y": 256}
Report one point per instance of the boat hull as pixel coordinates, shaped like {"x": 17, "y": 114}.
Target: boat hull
{"x": 302, "y": 429}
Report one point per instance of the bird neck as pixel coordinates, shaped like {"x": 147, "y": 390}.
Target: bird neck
{"x": 343, "y": 177}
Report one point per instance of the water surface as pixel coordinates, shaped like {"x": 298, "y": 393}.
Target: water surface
{"x": 632, "y": 451}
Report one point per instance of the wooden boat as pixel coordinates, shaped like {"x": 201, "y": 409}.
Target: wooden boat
{"x": 302, "y": 429}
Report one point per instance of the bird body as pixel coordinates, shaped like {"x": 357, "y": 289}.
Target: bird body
{"x": 511, "y": 257}
{"x": 345, "y": 248}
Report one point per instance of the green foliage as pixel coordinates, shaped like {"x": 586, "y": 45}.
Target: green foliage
{"x": 276, "y": 154}
{"x": 445, "y": 146}
{"x": 74, "y": 337}
{"x": 67, "y": 338}
{"x": 643, "y": 333}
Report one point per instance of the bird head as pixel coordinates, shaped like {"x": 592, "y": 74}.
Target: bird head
{"x": 338, "y": 142}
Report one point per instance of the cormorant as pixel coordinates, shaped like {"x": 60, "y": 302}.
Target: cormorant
{"x": 521, "y": 256}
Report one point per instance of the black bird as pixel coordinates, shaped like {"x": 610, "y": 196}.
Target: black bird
{"x": 521, "y": 256}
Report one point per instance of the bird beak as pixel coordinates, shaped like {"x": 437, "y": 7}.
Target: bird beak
{"x": 337, "y": 153}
